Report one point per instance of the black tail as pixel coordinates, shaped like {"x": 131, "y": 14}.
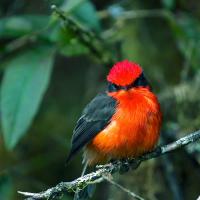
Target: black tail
{"x": 71, "y": 154}
{"x": 69, "y": 158}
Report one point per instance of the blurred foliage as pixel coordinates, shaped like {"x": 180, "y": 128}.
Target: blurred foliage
{"x": 16, "y": 26}
{"x": 6, "y": 187}
{"x": 48, "y": 74}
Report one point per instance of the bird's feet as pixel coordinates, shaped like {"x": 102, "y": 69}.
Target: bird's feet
{"x": 122, "y": 164}
{"x": 127, "y": 164}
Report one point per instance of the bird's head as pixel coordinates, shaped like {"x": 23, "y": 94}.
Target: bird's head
{"x": 125, "y": 75}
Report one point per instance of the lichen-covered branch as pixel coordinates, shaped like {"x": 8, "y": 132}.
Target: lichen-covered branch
{"x": 104, "y": 170}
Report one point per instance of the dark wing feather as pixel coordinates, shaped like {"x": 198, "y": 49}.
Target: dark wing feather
{"x": 95, "y": 117}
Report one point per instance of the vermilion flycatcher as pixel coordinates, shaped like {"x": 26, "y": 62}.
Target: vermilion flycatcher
{"x": 123, "y": 122}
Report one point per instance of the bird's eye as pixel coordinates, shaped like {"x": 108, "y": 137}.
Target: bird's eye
{"x": 112, "y": 87}
{"x": 141, "y": 81}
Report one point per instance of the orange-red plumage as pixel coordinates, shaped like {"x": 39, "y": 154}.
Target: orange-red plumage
{"x": 134, "y": 128}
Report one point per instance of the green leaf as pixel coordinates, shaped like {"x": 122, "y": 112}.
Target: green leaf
{"x": 169, "y": 4}
{"x": 70, "y": 5}
{"x": 84, "y": 11}
{"x": 16, "y": 26}
{"x": 24, "y": 83}
{"x": 75, "y": 48}
{"x": 67, "y": 43}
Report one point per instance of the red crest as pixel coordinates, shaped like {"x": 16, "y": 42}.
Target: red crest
{"x": 124, "y": 73}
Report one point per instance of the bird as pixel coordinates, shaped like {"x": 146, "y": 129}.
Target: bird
{"x": 122, "y": 122}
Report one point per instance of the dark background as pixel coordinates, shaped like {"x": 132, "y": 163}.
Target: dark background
{"x": 162, "y": 36}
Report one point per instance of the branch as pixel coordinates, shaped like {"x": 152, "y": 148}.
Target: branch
{"x": 91, "y": 40}
{"x": 18, "y": 44}
{"x": 111, "y": 168}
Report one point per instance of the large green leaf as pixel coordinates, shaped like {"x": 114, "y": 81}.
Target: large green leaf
{"x": 24, "y": 83}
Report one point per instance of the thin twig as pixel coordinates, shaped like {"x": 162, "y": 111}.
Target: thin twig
{"x": 97, "y": 176}
{"x": 17, "y": 45}
{"x": 144, "y": 13}
{"x": 187, "y": 63}
{"x": 24, "y": 41}
{"x": 171, "y": 178}
{"x": 135, "y": 196}
{"x": 135, "y": 14}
